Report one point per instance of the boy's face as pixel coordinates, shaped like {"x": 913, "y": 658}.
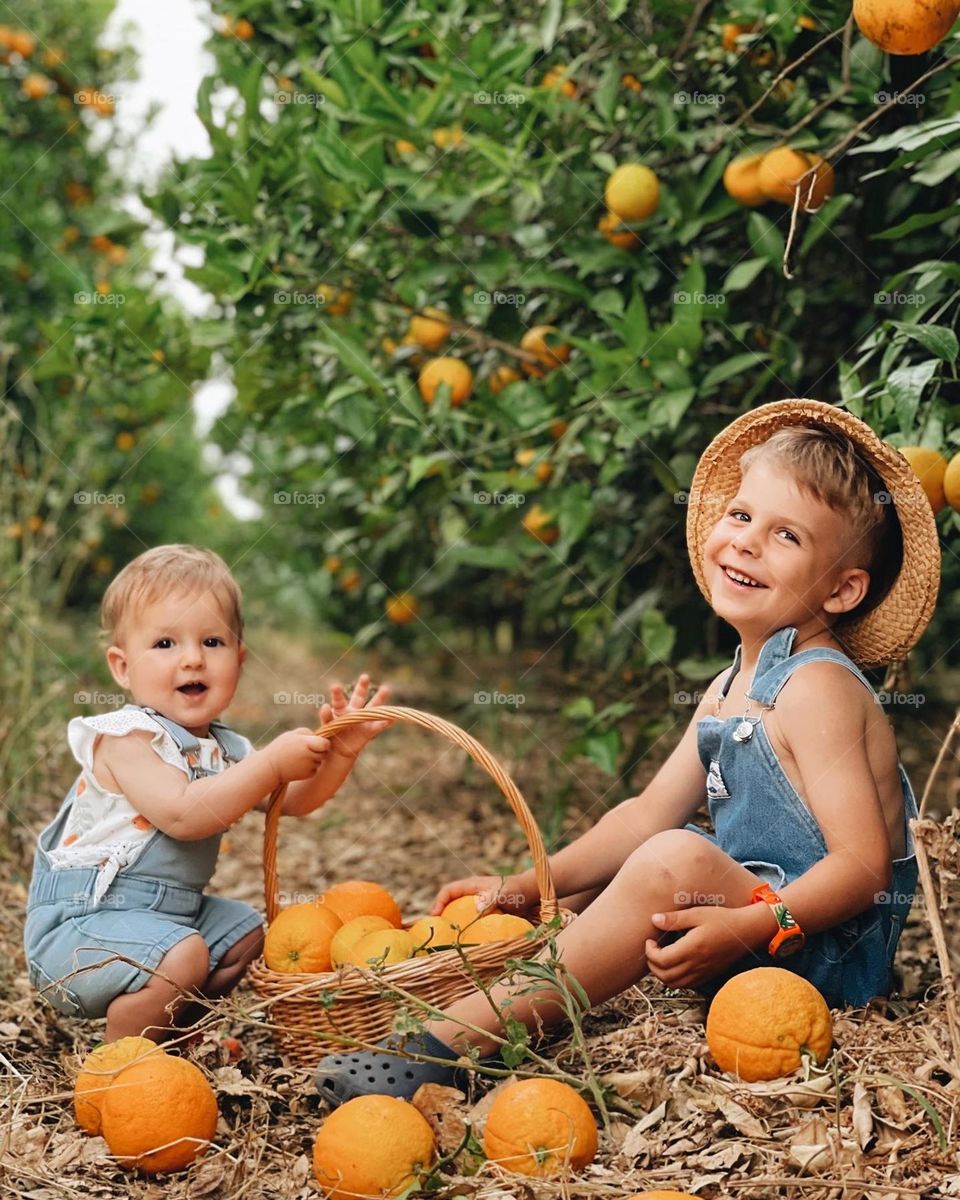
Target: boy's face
{"x": 181, "y": 657}
{"x": 791, "y": 545}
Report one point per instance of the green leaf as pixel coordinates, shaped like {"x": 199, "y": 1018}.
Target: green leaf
{"x": 765, "y": 238}
{"x": 743, "y": 274}
{"x": 575, "y": 511}
{"x": 736, "y": 365}
{"x": 580, "y": 709}
{"x": 657, "y": 636}
{"x": 938, "y": 168}
{"x": 496, "y": 558}
{"x": 911, "y": 137}
{"x": 936, "y": 338}
{"x": 920, "y": 221}
{"x": 550, "y": 24}
{"x": 667, "y": 409}
{"x": 323, "y": 85}
{"x": 905, "y": 386}
{"x": 351, "y": 355}
{"x": 603, "y": 749}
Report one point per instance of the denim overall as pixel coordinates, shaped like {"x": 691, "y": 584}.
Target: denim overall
{"x": 762, "y": 823}
{"x": 147, "y": 909}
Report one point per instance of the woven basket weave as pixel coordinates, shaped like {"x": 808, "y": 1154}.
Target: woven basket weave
{"x": 358, "y": 1003}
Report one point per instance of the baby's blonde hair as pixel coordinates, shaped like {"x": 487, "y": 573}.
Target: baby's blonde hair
{"x": 827, "y": 465}
{"x": 163, "y": 570}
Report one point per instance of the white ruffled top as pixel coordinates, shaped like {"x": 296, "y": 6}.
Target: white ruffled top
{"x": 103, "y": 829}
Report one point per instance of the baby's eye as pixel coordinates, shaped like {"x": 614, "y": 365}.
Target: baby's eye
{"x": 214, "y": 641}
{"x": 163, "y": 643}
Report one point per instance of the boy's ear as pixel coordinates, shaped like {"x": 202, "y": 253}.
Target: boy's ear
{"x": 241, "y": 653}
{"x": 117, "y": 662}
{"x": 853, "y": 586}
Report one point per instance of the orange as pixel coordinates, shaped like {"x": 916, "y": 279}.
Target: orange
{"x": 361, "y": 898}
{"x": 930, "y": 467}
{"x": 97, "y": 1073}
{"x": 904, "y": 26}
{"x": 782, "y": 171}
{"x": 540, "y": 1127}
{"x": 730, "y": 32}
{"x": 372, "y": 1146}
{"x": 243, "y": 30}
{"x": 447, "y": 137}
{"x": 558, "y": 429}
{"x": 451, "y": 371}
{"x": 159, "y": 1114}
{"x": 381, "y": 947}
{"x": 495, "y": 927}
{"x": 742, "y": 182}
{"x": 431, "y": 933}
{"x": 350, "y": 932}
{"x": 524, "y": 457}
{"x": 761, "y": 1020}
{"x": 100, "y": 243}
{"x": 463, "y": 911}
{"x": 539, "y": 524}
{"x": 336, "y": 303}
{"x": 543, "y": 472}
{"x": 632, "y": 192}
{"x": 501, "y": 378}
{"x": 299, "y": 938}
{"x": 613, "y": 230}
{"x": 332, "y": 564}
{"x": 350, "y": 580}
{"x": 556, "y": 78}
{"x": 24, "y": 43}
{"x": 632, "y": 82}
{"x": 951, "y": 483}
{"x": 35, "y": 86}
{"x": 125, "y": 440}
{"x": 402, "y": 608}
{"x": 402, "y": 146}
{"x": 429, "y": 329}
{"x": 550, "y": 355}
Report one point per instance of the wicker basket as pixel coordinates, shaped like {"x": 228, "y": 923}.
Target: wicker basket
{"x": 359, "y": 1003}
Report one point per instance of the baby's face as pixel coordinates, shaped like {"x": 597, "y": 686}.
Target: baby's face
{"x": 180, "y": 656}
{"x": 788, "y": 545}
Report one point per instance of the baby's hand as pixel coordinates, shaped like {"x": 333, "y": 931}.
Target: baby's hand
{"x": 349, "y": 742}
{"x": 297, "y": 754}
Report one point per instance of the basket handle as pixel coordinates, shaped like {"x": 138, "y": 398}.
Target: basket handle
{"x": 393, "y": 713}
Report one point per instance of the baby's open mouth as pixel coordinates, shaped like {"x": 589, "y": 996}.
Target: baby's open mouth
{"x": 192, "y": 689}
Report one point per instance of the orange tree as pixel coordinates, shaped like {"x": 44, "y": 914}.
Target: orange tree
{"x": 374, "y": 161}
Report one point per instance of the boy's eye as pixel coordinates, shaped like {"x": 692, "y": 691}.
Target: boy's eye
{"x": 737, "y": 512}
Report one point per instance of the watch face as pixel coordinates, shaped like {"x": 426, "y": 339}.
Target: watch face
{"x": 790, "y": 945}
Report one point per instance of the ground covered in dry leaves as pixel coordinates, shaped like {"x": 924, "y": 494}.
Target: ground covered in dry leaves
{"x": 881, "y": 1121}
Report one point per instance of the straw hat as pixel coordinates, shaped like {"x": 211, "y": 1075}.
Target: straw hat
{"x": 889, "y": 629}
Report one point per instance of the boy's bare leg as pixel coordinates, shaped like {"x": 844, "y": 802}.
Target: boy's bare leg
{"x": 225, "y": 978}
{"x": 604, "y": 947}
{"x": 182, "y": 969}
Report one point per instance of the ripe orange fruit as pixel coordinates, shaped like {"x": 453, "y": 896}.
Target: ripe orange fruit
{"x": 431, "y": 933}
{"x": 540, "y": 1127}
{"x": 159, "y": 1114}
{"x": 501, "y": 378}
{"x": 464, "y": 911}
{"x": 350, "y": 580}
{"x": 372, "y": 1146}
{"x": 904, "y": 26}
{"x": 336, "y": 303}
{"x": 243, "y": 30}
{"x": 496, "y": 927}
{"x": 951, "y": 483}
{"x": 361, "y": 898}
{"x": 100, "y": 243}
{"x": 761, "y": 1020}
{"x": 451, "y": 371}
{"x": 429, "y": 329}
{"x": 447, "y": 137}
{"x": 22, "y": 42}
{"x": 632, "y": 192}
{"x": 555, "y": 78}
{"x": 402, "y": 608}
{"x": 539, "y": 524}
{"x": 524, "y": 457}
{"x": 930, "y": 467}
{"x": 350, "y": 932}
{"x": 332, "y": 564}
{"x": 550, "y": 355}
{"x": 730, "y": 32}
{"x": 632, "y": 82}
{"x": 543, "y": 472}
{"x": 558, "y": 429}
{"x": 616, "y": 234}
{"x": 97, "y": 1073}
{"x": 742, "y": 182}
{"x": 782, "y": 171}
{"x": 125, "y": 440}
{"x": 381, "y": 947}
{"x": 299, "y": 938}
{"x": 36, "y": 86}
{"x": 402, "y": 146}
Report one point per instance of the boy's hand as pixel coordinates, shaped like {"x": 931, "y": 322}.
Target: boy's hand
{"x": 715, "y": 938}
{"x": 490, "y": 890}
{"x": 297, "y": 754}
{"x": 349, "y": 742}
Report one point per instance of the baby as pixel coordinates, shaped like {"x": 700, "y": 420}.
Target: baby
{"x": 796, "y": 544}
{"x": 118, "y": 924}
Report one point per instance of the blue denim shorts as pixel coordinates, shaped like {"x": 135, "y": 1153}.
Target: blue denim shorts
{"x": 69, "y": 942}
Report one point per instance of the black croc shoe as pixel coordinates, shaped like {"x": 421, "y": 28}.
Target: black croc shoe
{"x": 342, "y": 1077}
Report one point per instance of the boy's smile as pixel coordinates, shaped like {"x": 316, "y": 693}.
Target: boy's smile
{"x": 181, "y": 657}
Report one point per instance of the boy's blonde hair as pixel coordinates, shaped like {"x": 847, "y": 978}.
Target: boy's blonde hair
{"x": 828, "y": 466}
{"x": 163, "y": 570}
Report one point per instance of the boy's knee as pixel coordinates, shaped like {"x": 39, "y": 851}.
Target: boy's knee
{"x": 187, "y": 964}
{"x": 670, "y": 854}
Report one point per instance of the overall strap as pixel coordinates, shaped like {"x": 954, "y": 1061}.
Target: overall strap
{"x": 186, "y": 742}
{"x": 232, "y": 746}
{"x": 767, "y": 685}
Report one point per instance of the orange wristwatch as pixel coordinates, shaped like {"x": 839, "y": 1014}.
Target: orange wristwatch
{"x": 789, "y": 938}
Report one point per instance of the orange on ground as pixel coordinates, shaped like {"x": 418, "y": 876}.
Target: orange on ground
{"x": 783, "y": 170}
{"x": 502, "y": 377}
{"x": 97, "y": 1073}
{"x": 497, "y": 927}
{"x": 372, "y": 1146}
{"x": 551, "y": 355}
{"x": 361, "y": 898}
{"x": 429, "y": 329}
{"x": 540, "y": 1127}
{"x": 350, "y": 933}
{"x": 402, "y": 608}
{"x": 380, "y": 948}
{"x": 336, "y": 303}
{"x": 951, "y": 483}
{"x": 299, "y": 938}
{"x": 616, "y": 234}
{"x": 539, "y": 524}
{"x": 741, "y": 179}
{"x": 930, "y": 467}
{"x": 632, "y": 192}
{"x": 430, "y": 933}
{"x": 761, "y": 1020}
{"x": 555, "y": 78}
{"x": 451, "y": 371}
{"x": 905, "y": 26}
{"x": 463, "y": 911}
{"x": 159, "y": 1114}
